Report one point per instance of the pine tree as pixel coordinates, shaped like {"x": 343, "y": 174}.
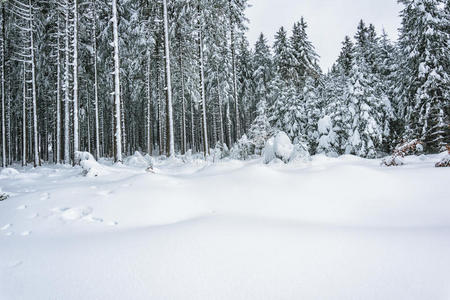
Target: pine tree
{"x": 425, "y": 79}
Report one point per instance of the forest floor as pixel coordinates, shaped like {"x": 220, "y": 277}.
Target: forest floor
{"x": 331, "y": 228}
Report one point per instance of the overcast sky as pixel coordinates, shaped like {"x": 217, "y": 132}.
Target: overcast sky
{"x": 328, "y": 20}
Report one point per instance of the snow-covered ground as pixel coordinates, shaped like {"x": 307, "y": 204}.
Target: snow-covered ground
{"x": 342, "y": 228}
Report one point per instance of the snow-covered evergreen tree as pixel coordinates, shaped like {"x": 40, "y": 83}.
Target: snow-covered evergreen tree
{"x": 425, "y": 77}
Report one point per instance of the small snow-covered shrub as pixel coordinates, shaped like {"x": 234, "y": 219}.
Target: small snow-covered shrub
{"x": 9, "y": 173}
{"x": 328, "y": 138}
{"x": 3, "y": 195}
{"x": 392, "y": 161}
{"x": 242, "y": 149}
{"x": 278, "y": 147}
{"x": 91, "y": 168}
{"x": 219, "y": 152}
{"x": 283, "y": 147}
{"x": 396, "y": 159}
{"x": 445, "y": 161}
{"x": 136, "y": 160}
{"x": 301, "y": 152}
{"x": 81, "y": 156}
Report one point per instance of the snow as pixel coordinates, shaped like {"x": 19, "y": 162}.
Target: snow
{"x": 279, "y": 147}
{"x": 329, "y": 228}
{"x": 325, "y": 125}
{"x": 8, "y": 173}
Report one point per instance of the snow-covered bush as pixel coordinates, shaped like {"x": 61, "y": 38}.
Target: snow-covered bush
{"x": 8, "y": 173}
{"x": 3, "y": 195}
{"x": 445, "y": 161}
{"x": 281, "y": 148}
{"x": 91, "y": 168}
{"x": 301, "y": 151}
{"x": 327, "y": 139}
{"x": 278, "y": 147}
{"x": 219, "y": 152}
{"x": 137, "y": 160}
{"x": 396, "y": 159}
{"x": 81, "y": 156}
{"x": 242, "y": 149}
{"x": 260, "y": 130}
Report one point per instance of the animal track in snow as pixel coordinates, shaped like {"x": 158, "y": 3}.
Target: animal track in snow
{"x": 104, "y": 193}
{"x": 113, "y": 223}
{"x": 76, "y": 213}
{"x": 45, "y": 196}
{"x": 21, "y": 207}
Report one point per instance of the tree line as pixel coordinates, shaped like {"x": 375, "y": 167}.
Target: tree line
{"x": 166, "y": 77}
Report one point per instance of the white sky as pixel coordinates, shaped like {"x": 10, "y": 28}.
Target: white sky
{"x": 328, "y": 21}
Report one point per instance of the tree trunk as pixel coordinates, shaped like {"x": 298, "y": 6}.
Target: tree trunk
{"x": 170, "y": 131}
{"x": 37, "y": 161}
{"x": 66, "y": 89}
{"x": 94, "y": 44}
{"x": 24, "y": 117}
{"x": 58, "y": 98}
{"x": 2, "y": 71}
{"x": 202, "y": 90}
{"x": 76, "y": 138}
{"x": 118, "y": 132}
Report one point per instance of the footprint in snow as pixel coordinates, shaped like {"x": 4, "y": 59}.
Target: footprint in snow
{"x": 76, "y": 213}
{"x": 113, "y": 223}
{"x": 26, "y": 233}
{"x": 45, "y": 196}
{"x": 21, "y": 207}
{"x": 104, "y": 193}
{"x": 6, "y": 227}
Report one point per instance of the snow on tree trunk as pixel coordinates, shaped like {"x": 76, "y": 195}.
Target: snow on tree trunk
{"x": 183, "y": 109}
{"x": 58, "y": 96}
{"x": 37, "y": 161}
{"x": 94, "y": 44}
{"x": 149, "y": 95}
{"x": 118, "y": 123}
{"x": 2, "y": 71}
{"x": 66, "y": 88}
{"x": 233, "y": 62}
{"x": 203, "y": 96}
{"x": 24, "y": 117}
{"x": 170, "y": 131}
{"x": 76, "y": 139}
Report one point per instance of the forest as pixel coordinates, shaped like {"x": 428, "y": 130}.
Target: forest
{"x": 167, "y": 77}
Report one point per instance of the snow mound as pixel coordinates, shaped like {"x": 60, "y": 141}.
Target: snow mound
{"x": 9, "y": 173}
{"x": 278, "y": 147}
{"x": 3, "y": 196}
{"x": 91, "y": 168}
{"x": 444, "y": 162}
{"x": 137, "y": 160}
{"x": 81, "y": 156}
